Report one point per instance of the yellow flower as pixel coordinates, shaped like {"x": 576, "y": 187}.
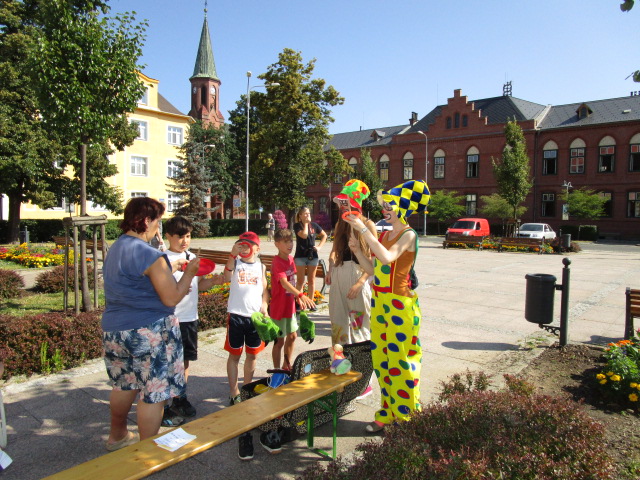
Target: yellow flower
{"x": 603, "y": 381}
{"x": 615, "y": 378}
{"x": 633, "y": 384}
{"x": 609, "y": 373}
{"x": 600, "y": 376}
{"x": 633, "y": 397}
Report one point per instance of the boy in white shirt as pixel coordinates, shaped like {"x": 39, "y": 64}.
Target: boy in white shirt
{"x": 178, "y": 233}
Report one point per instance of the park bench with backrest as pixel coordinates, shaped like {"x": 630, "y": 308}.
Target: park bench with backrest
{"x": 453, "y": 238}
{"x": 632, "y": 310}
{"x": 220, "y": 257}
{"x": 520, "y": 242}
{"x": 58, "y": 240}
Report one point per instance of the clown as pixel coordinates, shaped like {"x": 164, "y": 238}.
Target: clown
{"x": 395, "y": 311}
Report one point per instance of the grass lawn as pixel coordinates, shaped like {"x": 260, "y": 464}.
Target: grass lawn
{"x": 33, "y": 303}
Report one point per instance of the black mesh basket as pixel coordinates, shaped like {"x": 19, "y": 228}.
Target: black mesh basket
{"x": 314, "y": 361}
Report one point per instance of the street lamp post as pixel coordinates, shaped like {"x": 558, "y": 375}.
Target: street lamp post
{"x": 246, "y": 183}
{"x": 565, "y": 207}
{"x": 426, "y": 171}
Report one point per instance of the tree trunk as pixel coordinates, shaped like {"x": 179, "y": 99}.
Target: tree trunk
{"x": 14, "y": 219}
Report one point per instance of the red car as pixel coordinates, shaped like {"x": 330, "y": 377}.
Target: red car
{"x": 474, "y": 227}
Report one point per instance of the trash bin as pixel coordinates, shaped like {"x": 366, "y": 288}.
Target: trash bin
{"x": 566, "y": 241}
{"x": 24, "y": 236}
{"x": 538, "y": 306}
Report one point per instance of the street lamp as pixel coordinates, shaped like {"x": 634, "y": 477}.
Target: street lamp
{"x": 565, "y": 207}
{"x": 426, "y": 171}
{"x": 205, "y": 198}
{"x": 246, "y": 186}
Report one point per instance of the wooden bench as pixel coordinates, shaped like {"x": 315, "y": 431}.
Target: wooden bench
{"x": 144, "y": 458}
{"x": 220, "y": 258}
{"x": 90, "y": 246}
{"x": 632, "y": 311}
{"x": 521, "y": 242}
{"x": 465, "y": 239}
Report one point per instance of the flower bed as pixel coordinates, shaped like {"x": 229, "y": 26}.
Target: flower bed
{"x": 619, "y": 380}
{"x": 33, "y": 257}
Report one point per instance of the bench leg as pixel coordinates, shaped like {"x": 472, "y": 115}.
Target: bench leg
{"x": 329, "y": 404}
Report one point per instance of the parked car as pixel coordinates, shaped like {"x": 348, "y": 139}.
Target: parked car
{"x": 474, "y": 227}
{"x": 382, "y": 225}
{"x": 536, "y": 230}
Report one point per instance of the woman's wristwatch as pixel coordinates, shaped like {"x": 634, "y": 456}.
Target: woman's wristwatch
{"x": 364, "y": 230}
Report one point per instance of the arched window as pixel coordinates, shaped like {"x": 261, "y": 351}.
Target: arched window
{"x": 576, "y": 156}
{"x": 407, "y": 166}
{"x": 606, "y": 155}
{"x": 473, "y": 162}
{"x": 550, "y": 158}
{"x": 383, "y": 166}
{"x": 353, "y": 163}
{"x": 634, "y": 153}
{"x": 438, "y": 164}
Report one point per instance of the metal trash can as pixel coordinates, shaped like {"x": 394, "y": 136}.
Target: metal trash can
{"x": 538, "y": 306}
{"x": 566, "y": 241}
{"x": 24, "y": 236}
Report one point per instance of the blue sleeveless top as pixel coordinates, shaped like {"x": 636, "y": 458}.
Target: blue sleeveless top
{"x": 131, "y": 300}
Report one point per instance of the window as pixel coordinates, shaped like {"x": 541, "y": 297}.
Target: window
{"x": 139, "y": 166}
{"x": 174, "y": 135}
{"x": 471, "y": 204}
{"x": 96, "y": 207}
{"x": 548, "y": 205}
{"x": 608, "y": 211}
{"x": 634, "y": 158}
{"x": 606, "y": 159}
{"x": 472, "y": 166}
{"x": 550, "y": 162}
{"x": 173, "y": 168}
{"x": 353, "y": 163}
{"x": 337, "y": 178}
{"x": 576, "y": 164}
{"x": 142, "y": 129}
{"x": 173, "y": 200}
{"x": 633, "y": 205}
{"x": 407, "y": 166}
{"x": 456, "y": 121}
{"x": 323, "y": 205}
{"x": 448, "y": 122}
{"x": 138, "y": 194}
{"x": 465, "y": 120}
{"x": 384, "y": 171}
{"x": 144, "y": 99}
{"x": 438, "y": 168}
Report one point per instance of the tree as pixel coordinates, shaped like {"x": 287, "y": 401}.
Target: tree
{"x": 494, "y": 206}
{"x": 368, "y": 173}
{"x": 626, "y": 6}
{"x": 585, "y": 204}
{"x": 513, "y": 173}
{"x": 289, "y": 126}
{"x": 445, "y": 206}
{"x": 86, "y": 69}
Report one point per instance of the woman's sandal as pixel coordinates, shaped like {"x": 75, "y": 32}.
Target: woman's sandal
{"x": 128, "y": 439}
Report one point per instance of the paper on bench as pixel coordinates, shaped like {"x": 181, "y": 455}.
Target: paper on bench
{"x": 174, "y": 439}
{"x": 5, "y": 460}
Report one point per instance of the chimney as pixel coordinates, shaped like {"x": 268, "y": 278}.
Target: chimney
{"x": 413, "y": 119}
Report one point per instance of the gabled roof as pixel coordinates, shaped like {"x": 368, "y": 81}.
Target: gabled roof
{"x": 205, "y": 65}
{"x": 366, "y": 138}
{"x": 602, "y": 111}
{"x": 165, "y": 105}
{"x": 497, "y": 109}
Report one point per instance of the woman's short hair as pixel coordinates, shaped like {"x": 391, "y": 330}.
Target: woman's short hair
{"x": 138, "y": 209}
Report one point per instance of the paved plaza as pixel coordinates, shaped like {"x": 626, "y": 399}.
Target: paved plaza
{"x": 472, "y": 318}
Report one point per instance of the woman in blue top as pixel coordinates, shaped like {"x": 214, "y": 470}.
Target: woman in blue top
{"x": 141, "y": 336}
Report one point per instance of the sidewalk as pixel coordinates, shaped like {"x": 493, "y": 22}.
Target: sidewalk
{"x": 473, "y": 318}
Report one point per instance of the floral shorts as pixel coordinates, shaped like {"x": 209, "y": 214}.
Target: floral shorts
{"x": 148, "y": 359}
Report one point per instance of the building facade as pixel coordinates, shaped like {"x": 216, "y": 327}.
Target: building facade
{"x": 594, "y": 145}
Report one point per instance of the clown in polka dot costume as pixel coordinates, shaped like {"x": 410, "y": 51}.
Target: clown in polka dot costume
{"x": 395, "y": 310}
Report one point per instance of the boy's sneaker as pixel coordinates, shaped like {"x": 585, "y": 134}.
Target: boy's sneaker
{"x": 286, "y": 434}
{"x": 183, "y": 407}
{"x": 367, "y": 391}
{"x": 271, "y": 441}
{"x": 235, "y": 400}
{"x": 245, "y": 446}
{"x": 171, "y": 418}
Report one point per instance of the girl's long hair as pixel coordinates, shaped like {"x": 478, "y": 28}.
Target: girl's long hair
{"x": 341, "y": 236}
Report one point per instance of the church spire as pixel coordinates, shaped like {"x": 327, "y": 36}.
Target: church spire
{"x": 205, "y": 65}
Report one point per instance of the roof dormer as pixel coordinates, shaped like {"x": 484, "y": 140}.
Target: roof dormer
{"x": 377, "y": 135}
{"x": 584, "y": 111}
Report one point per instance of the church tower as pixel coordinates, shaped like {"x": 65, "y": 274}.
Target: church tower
{"x": 205, "y": 84}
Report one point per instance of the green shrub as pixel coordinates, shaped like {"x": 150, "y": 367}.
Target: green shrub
{"x": 464, "y": 383}
{"x": 482, "y": 436}
{"x": 75, "y": 338}
{"x": 619, "y": 379}
{"x": 52, "y": 281}
{"x": 212, "y": 310}
{"x": 588, "y": 232}
{"x": 11, "y": 284}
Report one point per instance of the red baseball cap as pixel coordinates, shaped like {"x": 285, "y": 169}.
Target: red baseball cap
{"x": 250, "y": 237}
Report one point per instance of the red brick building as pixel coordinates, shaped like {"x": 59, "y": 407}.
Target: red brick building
{"x": 594, "y": 144}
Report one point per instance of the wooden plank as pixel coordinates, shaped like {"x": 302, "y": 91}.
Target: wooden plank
{"x": 144, "y": 458}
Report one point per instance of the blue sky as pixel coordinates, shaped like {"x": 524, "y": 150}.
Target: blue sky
{"x": 391, "y": 58}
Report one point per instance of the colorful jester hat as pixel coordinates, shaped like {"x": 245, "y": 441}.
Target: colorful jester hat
{"x": 412, "y": 196}
{"x": 356, "y": 191}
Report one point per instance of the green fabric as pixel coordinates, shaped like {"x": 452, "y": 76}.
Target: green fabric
{"x": 307, "y": 328}
{"x": 267, "y": 330}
